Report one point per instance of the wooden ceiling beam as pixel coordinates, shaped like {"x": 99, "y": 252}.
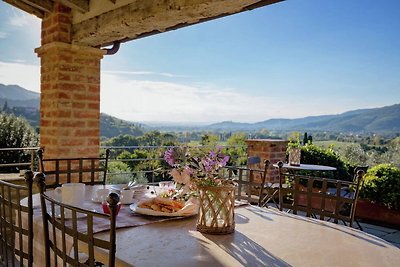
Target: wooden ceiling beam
{"x": 80, "y": 5}
{"x": 26, "y": 7}
{"x": 144, "y": 18}
{"x": 44, "y": 5}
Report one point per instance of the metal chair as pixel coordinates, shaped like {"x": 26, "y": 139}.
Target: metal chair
{"x": 71, "y": 240}
{"x": 90, "y": 171}
{"x": 250, "y": 180}
{"x": 13, "y": 234}
{"x": 319, "y": 197}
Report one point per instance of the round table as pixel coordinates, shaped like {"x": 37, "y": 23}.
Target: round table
{"x": 307, "y": 167}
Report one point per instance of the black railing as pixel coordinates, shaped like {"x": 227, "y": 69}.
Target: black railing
{"x": 151, "y": 169}
{"x": 15, "y": 159}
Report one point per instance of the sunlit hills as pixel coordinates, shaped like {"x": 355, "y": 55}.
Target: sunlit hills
{"x": 375, "y": 120}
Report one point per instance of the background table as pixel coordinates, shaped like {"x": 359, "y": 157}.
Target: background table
{"x": 307, "y": 167}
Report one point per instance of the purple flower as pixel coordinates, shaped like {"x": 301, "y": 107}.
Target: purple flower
{"x": 169, "y": 157}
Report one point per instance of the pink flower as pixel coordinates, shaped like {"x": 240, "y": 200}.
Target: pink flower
{"x": 182, "y": 177}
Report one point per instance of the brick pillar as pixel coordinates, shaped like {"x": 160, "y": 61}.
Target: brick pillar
{"x": 70, "y": 90}
{"x": 271, "y": 149}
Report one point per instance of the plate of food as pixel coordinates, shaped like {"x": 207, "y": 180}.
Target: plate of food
{"x": 159, "y": 206}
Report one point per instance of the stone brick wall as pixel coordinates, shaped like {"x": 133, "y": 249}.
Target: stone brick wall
{"x": 70, "y": 90}
{"x": 270, "y": 149}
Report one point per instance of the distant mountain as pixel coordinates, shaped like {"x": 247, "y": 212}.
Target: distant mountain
{"x": 25, "y": 103}
{"x": 111, "y": 126}
{"x": 384, "y": 119}
{"x": 17, "y": 96}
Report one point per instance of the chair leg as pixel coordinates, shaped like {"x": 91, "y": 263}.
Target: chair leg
{"x": 268, "y": 197}
{"x": 359, "y": 225}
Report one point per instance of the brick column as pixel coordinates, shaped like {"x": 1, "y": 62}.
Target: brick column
{"x": 271, "y": 149}
{"x": 70, "y": 90}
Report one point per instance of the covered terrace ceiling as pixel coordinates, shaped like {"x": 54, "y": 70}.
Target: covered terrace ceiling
{"x": 100, "y": 23}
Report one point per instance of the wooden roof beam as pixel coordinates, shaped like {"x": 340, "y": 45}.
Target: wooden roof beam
{"x": 144, "y": 18}
{"x": 38, "y": 12}
{"x": 45, "y": 5}
{"x": 80, "y": 5}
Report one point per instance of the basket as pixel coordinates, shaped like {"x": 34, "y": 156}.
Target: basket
{"x": 216, "y": 212}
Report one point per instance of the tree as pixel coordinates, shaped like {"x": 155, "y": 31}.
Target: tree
{"x": 209, "y": 140}
{"x": 15, "y": 132}
{"x": 237, "y": 149}
{"x": 5, "y": 107}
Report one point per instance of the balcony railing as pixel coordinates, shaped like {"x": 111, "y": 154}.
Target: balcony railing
{"x": 15, "y": 159}
{"x": 149, "y": 169}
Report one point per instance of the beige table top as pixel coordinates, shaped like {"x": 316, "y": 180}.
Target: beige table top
{"x": 263, "y": 237}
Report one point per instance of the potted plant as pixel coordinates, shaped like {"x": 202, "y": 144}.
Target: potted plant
{"x": 294, "y": 150}
{"x": 380, "y": 195}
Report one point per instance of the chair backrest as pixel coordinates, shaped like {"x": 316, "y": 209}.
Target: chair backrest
{"x": 319, "y": 197}
{"x": 13, "y": 232}
{"x": 90, "y": 171}
{"x": 69, "y": 231}
{"x": 250, "y": 182}
{"x": 254, "y": 162}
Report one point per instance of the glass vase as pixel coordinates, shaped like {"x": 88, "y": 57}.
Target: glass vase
{"x": 216, "y": 212}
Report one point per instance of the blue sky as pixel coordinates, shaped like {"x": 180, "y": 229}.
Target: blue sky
{"x": 292, "y": 59}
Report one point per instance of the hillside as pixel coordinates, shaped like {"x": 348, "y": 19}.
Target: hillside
{"x": 111, "y": 126}
{"x": 376, "y": 120}
{"x": 25, "y": 103}
{"x": 385, "y": 119}
{"x": 17, "y": 96}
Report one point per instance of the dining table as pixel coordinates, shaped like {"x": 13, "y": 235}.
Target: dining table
{"x": 306, "y": 167}
{"x": 262, "y": 237}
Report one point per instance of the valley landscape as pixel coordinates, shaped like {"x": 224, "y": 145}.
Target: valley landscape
{"x": 382, "y": 120}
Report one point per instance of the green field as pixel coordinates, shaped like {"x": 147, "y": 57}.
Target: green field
{"x": 337, "y": 145}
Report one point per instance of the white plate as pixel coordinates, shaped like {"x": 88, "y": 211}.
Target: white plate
{"x": 190, "y": 209}
{"x": 139, "y": 187}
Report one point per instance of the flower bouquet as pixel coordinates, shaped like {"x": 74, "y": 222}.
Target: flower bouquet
{"x": 196, "y": 172}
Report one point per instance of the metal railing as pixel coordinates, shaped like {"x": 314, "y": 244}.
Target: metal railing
{"x": 29, "y": 163}
{"x": 150, "y": 169}
{"x": 160, "y": 170}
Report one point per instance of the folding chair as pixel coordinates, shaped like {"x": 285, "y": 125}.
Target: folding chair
{"x": 319, "y": 197}
{"x": 90, "y": 171}
{"x": 71, "y": 241}
{"x": 250, "y": 180}
{"x": 16, "y": 239}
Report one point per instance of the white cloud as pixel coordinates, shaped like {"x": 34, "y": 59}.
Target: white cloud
{"x": 165, "y": 74}
{"x": 26, "y": 76}
{"x": 152, "y": 100}
{"x": 3, "y": 35}
{"x": 138, "y": 100}
{"x": 22, "y": 19}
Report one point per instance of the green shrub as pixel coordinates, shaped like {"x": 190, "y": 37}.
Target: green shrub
{"x": 311, "y": 154}
{"x": 15, "y": 132}
{"x": 382, "y": 185}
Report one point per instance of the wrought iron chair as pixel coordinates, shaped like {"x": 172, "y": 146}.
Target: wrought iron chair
{"x": 250, "y": 180}
{"x": 13, "y": 234}
{"x": 71, "y": 240}
{"x": 90, "y": 171}
{"x": 319, "y": 197}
